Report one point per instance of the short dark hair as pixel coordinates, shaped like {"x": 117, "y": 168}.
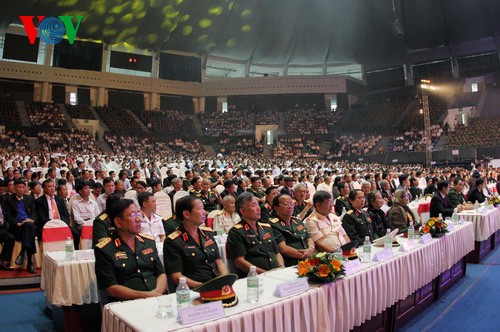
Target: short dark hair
{"x": 142, "y": 183}
{"x": 111, "y": 199}
{"x": 44, "y": 183}
{"x": 228, "y": 183}
{"x": 353, "y": 194}
{"x": 193, "y": 181}
{"x": 116, "y": 208}
{"x": 33, "y": 184}
{"x": 442, "y": 184}
{"x": 143, "y": 197}
{"x": 372, "y": 195}
{"x": 107, "y": 180}
{"x": 80, "y": 184}
{"x": 276, "y": 200}
{"x": 321, "y": 196}
{"x": 184, "y": 204}
{"x": 457, "y": 180}
{"x": 403, "y": 177}
{"x": 270, "y": 188}
{"x": 479, "y": 181}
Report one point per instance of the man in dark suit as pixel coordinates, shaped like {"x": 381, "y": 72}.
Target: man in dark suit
{"x": 6, "y": 237}
{"x": 440, "y": 204}
{"x": 455, "y": 196}
{"x": 431, "y": 189}
{"x": 415, "y": 191}
{"x": 49, "y": 207}
{"x": 476, "y": 194}
{"x": 386, "y": 192}
{"x": 22, "y": 219}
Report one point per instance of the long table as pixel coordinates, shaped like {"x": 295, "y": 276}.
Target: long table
{"x": 377, "y": 296}
{"x": 486, "y": 231}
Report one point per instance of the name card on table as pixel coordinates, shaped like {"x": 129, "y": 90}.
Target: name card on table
{"x": 296, "y": 286}
{"x": 352, "y": 266}
{"x": 407, "y": 246}
{"x": 383, "y": 255}
{"x": 202, "y": 312}
{"x": 426, "y": 238}
{"x": 84, "y": 255}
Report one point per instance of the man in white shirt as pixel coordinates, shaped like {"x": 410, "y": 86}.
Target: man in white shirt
{"x": 326, "y": 186}
{"x": 151, "y": 223}
{"x": 108, "y": 186}
{"x": 84, "y": 209}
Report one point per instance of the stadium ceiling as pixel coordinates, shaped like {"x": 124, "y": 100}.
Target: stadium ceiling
{"x": 276, "y": 32}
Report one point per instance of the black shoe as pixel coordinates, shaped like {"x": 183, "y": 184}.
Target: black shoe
{"x": 31, "y": 269}
{"x": 20, "y": 259}
{"x": 5, "y": 267}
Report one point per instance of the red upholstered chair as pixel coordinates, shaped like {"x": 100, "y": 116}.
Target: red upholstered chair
{"x": 54, "y": 235}
{"x": 210, "y": 218}
{"x": 86, "y": 235}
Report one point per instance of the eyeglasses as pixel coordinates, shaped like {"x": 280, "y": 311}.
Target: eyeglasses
{"x": 136, "y": 214}
{"x": 287, "y": 205}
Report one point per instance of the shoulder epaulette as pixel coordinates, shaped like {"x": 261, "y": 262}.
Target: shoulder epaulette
{"x": 238, "y": 226}
{"x": 103, "y": 216}
{"x": 103, "y": 242}
{"x": 274, "y": 220}
{"x": 350, "y": 211}
{"x": 175, "y": 234}
{"x": 206, "y": 229}
{"x": 220, "y": 212}
{"x": 263, "y": 224}
{"x": 146, "y": 236}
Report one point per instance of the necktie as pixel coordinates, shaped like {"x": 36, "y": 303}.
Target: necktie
{"x": 55, "y": 212}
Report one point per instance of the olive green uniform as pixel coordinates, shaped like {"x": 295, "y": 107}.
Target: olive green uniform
{"x": 295, "y": 236}
{"x": 341, "y": 203}
{"x": 209, "y": 201}
{"x": 117, "y": 264}
{"x": 259, "y": 193}
{"x": 182, "y": 254}
{"x": 259, "y": 248}
{"x": 266, "y": 212}
{"x": 298, "y": 208}
{"x": 102, "y": 228}
{"x": 356, "y": 225}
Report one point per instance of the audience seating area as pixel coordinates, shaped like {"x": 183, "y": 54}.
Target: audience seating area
{"x": 46, "y": 115}
{"x": 9, "y": 115}
{"x": 142, "y": 147}
{"x": 166, "y": 121}
{"x": 13, "y": 140}
{"x": 268, "y": 117}
{"x": 296, "y": 147}
{"x": 77, "y": 141}
{"x": 230, "y": 123}
{"x": 116, "y": 121}
{"x": 80, "y": 112}
{"x": 412, "y": 139}
{"x": 310, "y": 121}
{"x": 244, "y": 145}
{"x": 353, "y": 145}
{"x": 479, "y": 132}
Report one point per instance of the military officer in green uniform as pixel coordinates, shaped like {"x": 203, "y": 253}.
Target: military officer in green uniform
{"x": 266, "y": 208}
{"x": 251, "y": 242}
{"x": 127, "y": 265}
{"x": 256, "y": 189}
{"x": 191, "y": 251}
{"x": 302, "y": 208}
{"x": 342, "y": 201}
{"x": 355, "y": 222}
{"x": 289, "y": 232}
{"x": 196, "y": 186}
{"x": 103, "y": 227}
{"x": 209, "y": 198}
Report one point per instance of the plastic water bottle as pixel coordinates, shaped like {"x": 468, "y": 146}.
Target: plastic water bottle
{"x": 411, "y": 231}
{"x": 344, "y": 210}
{"x": 477, "y": 206}
{"x": 253, "y": 285}
{"x": 69, "y": 249}
{"x": 182, "y": 293}
{"x": 367, "y": 250}
{"x": 388, "y": 240}
{"x": 454, "y": 218}
{"x": 337, "y": 254}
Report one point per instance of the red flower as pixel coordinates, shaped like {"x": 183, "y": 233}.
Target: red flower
{"x": 314, "y": 261}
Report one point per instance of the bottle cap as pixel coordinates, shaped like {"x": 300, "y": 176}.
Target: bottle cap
{"x": 253, "y": 268}
{"x": 182, "y": 280}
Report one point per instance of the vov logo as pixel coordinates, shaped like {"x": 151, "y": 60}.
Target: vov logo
{"x": 51, "y": 30}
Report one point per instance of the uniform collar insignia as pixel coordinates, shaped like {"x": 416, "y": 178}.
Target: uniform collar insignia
{"x": 185, "y": 237}
{"x": 117, "y": 242}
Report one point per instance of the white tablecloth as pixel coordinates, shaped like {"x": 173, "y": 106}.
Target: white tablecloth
{"x": 341, "y": 305}
{"x": 485, "y": 224}
{"x": 74, "y": 282}
{"x": 270, "y": 314}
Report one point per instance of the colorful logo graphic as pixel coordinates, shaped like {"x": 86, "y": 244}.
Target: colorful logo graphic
{"x": 51, "y": 30}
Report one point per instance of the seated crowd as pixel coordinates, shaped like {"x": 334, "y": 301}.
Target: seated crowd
{"x": 13, "y": 140}
{"x": 310, "y": 121}
{"x": 267, "y": 117}
{"x": 46, "y": 115}
{"x": 296, "y": 147}
{"x": 479, "y": 132}
{"x": 80, "y": 112}
{"x": 9, "y": 115}
{"x": 413, "y": 139}
{"x": 166, "y": 121}
{"x": 78, "y": 141}
{"x": 244, "y": 145}
{"x": 231, "y": 123}
{"x": 291, "y": 211}
{"x": 352, "y": 145}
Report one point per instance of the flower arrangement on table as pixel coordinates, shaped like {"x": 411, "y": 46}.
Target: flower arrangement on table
{"x": 434, "y": 226}
{"x": 321, "y": 267}
{"x": 494, "y": 200}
